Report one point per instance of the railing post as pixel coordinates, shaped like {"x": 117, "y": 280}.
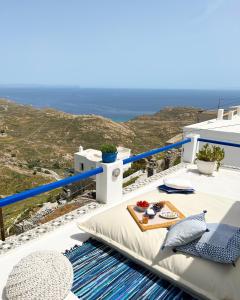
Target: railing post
{"x": 220, "y": 114}
{"x": 190, "y": 149}
{"x": 238, "y": 111}
{"x": 109, "y": 183}
{"x": 2, "y": 225}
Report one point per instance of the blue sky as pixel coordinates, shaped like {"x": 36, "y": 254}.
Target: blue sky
{"x": 124, "y": 43}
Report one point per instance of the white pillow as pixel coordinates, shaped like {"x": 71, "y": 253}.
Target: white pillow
{"x": 178, "y": 183}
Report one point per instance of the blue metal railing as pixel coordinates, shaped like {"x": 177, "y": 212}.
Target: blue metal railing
{"x": 48, "y": 187}
{"x": 155, "y": 151}
{"x": 219, "y": 142}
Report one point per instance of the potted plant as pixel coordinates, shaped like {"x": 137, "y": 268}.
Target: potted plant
{"x": 109, "y": 153}
{"x": 209, "y": 159}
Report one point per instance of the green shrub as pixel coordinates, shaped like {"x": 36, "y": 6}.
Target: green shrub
{"x": 139, "y": 165}
{"x": 128, "y": 173}
{"x": 56, "y": 165}
{"x": 51, "y": 198}
{"x": 108, "y": 148}
{"x": 211, "y": 153}
{"x": 131, "y": 181}
{"x": 136, "y": 166}
{"x": 33, "y": 163}
{"x": 177, "y": 161}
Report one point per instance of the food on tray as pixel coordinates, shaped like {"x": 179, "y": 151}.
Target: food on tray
{"x": 168, "y": 215}
{"x": 158, "y": 206}
{"x": 145, "y": 219}
{"x": 142, "y": 205}
{"x": 151, "y": 213}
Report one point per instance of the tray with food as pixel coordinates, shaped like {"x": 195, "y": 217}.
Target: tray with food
{"x": 149, "y": 215}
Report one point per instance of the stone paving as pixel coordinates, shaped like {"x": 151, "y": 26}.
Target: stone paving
{"x": 17, "y": 240}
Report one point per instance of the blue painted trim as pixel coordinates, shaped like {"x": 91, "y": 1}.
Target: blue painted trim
{"x": 219, "y": 142}
{"x": 155, "y": 151}
{"x": 48, "y": 187}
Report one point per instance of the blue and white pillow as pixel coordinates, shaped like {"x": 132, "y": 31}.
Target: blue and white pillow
{"x": 220, "y": 244}
{"x": 186, "y": 231}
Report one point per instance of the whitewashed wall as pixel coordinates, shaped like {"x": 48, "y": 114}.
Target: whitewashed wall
{"x": 232, "y": 155}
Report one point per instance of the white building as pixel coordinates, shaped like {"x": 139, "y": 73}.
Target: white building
{"x": 226, "y": 128}
{"x": 85, "y": 160}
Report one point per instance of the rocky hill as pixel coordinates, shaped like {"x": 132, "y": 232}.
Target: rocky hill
{"x": 153, "y": 131}
{"x": 48, "y": 138}
{"x": 37, "y": 145}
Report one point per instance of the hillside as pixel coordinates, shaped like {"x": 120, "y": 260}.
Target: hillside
{"x": 153, "y": 131}
{"x": 44, "y": 141}
{"x": 36, "y": 145}
{"x": 48, "y": 138}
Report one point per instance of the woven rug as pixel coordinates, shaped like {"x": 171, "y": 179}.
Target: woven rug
{"x": 101, "y": 272}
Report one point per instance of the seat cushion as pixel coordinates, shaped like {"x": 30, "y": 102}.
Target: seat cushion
{"x": 204, "y": 278}
{"x": 42, "y": 275}
{"x": 186, "y": 231}
{"x": 220, "y": 244}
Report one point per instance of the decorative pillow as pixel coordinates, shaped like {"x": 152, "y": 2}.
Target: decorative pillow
{"x": 220, "y": 244}
{"x": 178, "y": 183}
{"x": 186, "y": 231}
{"x": 41, "y": 275}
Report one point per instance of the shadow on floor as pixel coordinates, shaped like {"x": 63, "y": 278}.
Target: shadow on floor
{"x": 80, "y": 237}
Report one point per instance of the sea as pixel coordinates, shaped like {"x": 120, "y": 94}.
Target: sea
{"x": 117, "y": 104}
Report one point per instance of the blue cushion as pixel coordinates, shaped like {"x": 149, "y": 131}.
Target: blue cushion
{"x": 220, "y": 244}
{"x": 170, "y": 190}
{"x": 186, "y": 231}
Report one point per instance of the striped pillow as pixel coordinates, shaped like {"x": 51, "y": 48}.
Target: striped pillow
{"x": 220, "y": 244}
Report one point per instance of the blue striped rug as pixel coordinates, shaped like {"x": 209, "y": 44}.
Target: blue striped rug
{"x": 101, "y": 272}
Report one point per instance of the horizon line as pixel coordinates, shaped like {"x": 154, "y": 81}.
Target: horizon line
{"x": 120, "y": 88}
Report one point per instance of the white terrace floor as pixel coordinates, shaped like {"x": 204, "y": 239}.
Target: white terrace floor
{"x": 223, "y": 183}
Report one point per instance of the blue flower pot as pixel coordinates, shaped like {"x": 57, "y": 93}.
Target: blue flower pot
{"x": 109, "y": 157}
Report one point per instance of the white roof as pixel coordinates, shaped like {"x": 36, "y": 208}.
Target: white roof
{"x": 96, "y": 155}
{"x": 232, "y": 126}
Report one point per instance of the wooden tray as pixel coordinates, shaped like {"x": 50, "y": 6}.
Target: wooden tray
{"x": 156, "y": 222}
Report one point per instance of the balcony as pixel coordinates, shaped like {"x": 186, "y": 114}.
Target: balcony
{"x": 63, "y": 233}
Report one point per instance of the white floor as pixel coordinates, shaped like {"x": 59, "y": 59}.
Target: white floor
{"x": 224, "y": 183}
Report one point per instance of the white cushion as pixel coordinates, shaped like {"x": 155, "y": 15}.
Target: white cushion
{"x": 208, "y": 279}
{"x": 178, "y": 183}
{"x": 42, "y": 275}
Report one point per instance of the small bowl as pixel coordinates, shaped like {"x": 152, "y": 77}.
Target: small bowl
{"x": 150, "y": 213}
{"x": 141, "y": 209}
